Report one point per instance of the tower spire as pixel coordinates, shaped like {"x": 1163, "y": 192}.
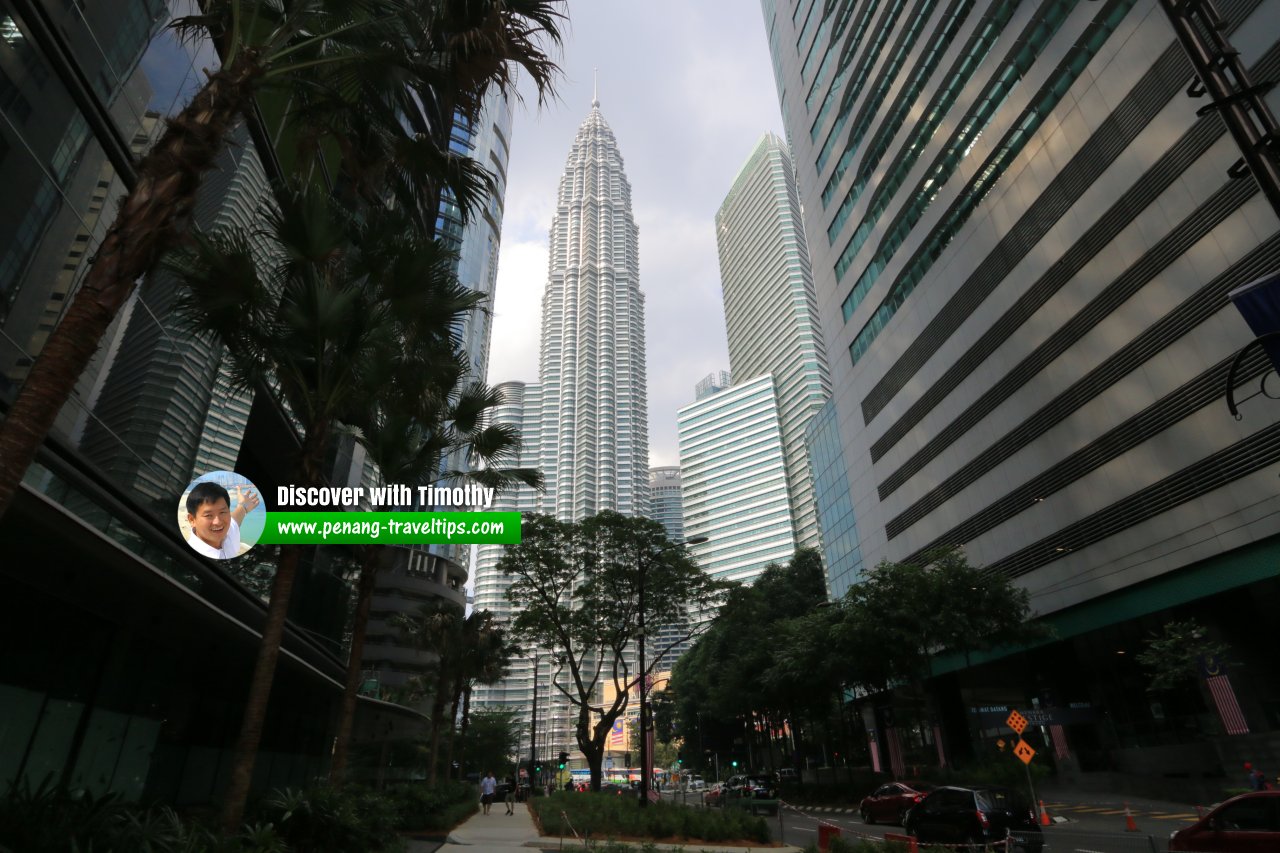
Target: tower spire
{"x": 595, "y": 87}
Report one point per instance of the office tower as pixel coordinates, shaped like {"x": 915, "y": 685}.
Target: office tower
{"x": 1022, "y": 236}
{"x": 595, "y": 424}
{"x": 664, "y": 495}
{"x": 769, "y": 310}
{"x": 587, "y": 418}
{"x": 734, "y": 481}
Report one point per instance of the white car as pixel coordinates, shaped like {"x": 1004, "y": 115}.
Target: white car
{"x": 696, "y": 783}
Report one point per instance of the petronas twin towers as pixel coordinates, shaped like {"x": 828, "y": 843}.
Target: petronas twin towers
{"x": 594, "y": 442}
{"x": 585, "y": 423}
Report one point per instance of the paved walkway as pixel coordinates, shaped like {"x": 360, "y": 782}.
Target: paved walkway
{"x": 495, "y": 832}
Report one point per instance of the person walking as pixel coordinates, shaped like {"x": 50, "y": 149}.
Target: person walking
{"x": 510, "y": 798}
{"x": 487, "y": 786}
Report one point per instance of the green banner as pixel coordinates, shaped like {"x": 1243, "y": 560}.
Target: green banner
{"x": 390, "y": 528}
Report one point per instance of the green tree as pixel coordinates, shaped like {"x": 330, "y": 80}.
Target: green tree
{"x": 586, "y": 589}
{"x": 1173, "y": 655}
{"x": 490, "y": 742}
{"x": 355, "y": 65}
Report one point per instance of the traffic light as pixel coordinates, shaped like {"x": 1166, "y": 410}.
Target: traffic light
{"x": 538, "y": 769}
{"x": 735, "y": 762}
{"x": 564, "y": 759}
{"x": 679, "y": 758}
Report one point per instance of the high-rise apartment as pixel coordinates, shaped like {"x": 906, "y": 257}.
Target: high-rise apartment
{"x": 769, "y": 308}
{"x": 734, "y": 481}
{"x": 1022, "y": 236}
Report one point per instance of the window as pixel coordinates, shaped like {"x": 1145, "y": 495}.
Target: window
{"x": 1256, "y": 814}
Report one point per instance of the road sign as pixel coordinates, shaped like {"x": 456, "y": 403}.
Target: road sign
{"x": 1024, "y": 751}
{"x": 1016, "y": 721}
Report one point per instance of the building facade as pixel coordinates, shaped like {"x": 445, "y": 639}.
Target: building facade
{"x": 664, "y": 492}
{"x": 585, "y": 424}
{"x": 769, "y": 308}
{"x": 734, "y": 481}
{"x": 1022, "y": 236}
{"x": 140, "y": 691}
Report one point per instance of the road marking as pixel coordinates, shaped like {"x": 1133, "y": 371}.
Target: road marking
{"x": 1113, "y": 811}
{"x": 1093, "y": 809}
{"x": 1176, "y": 817}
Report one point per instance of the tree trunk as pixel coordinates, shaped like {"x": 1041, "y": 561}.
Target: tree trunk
{"x": 315, "y": 438}
{"x": 453, "y": 715}
{"x": 255, "y": 709}
{"x": 437, "y": 720}
{"x": 149, "y": 222}
{"x": 593, "y": 747}
{"x": 359, "y": 627}
{"x": 462, "y": 734}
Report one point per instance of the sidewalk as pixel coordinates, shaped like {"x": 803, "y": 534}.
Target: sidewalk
{"x": 497, "y": 832}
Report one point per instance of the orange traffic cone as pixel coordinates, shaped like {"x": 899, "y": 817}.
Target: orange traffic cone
{"x": 1129, "y": 824}
{"x": 1044, "y": 815}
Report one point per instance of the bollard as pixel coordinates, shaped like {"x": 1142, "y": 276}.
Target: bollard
{"x": 826, "y": 832}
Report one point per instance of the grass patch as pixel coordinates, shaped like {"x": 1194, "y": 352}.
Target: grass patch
{"x": 605, "y": 815}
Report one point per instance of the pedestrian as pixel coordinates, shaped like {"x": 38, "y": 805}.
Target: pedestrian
{"x": 510, "y": 799}
{"x": 487, "y": 786}
{"x": 568, "y": 786}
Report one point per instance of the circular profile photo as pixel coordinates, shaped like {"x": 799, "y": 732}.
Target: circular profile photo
{"x": 221, "y": 515}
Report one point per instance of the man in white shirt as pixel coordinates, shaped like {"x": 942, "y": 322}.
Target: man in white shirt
{"x": 215, "y": 527}
{"x": 487, "y": 786}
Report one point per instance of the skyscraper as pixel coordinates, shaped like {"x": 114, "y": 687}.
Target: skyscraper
{"x": 769, "y": 308}
{"x": 734, "y": 481}
{"x": 1023, "y": 235}
{"x": 595, "y": 427}
{"x": 664, "y": 495}
{"x": 585, "y": 423}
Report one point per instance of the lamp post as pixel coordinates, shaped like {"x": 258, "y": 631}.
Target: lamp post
{"x": 645, "y": 757}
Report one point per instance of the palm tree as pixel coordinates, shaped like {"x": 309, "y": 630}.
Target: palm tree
{"x": 487, "y": 652}
{"x": 310, "y": 321}
{"x": 412, "y": 449}
{"x": 437, "y": 627}
{"x": 358, "y": 67}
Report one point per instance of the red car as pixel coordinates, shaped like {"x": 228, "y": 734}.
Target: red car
{"x": 1249, "y": 823}
{"x": 713, "y": 796}
{"x": 890, "y": 803}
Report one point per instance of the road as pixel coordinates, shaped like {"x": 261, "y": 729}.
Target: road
{"x": 1092, "y": 828}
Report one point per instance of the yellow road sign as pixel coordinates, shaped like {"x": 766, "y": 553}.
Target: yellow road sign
{"x": 1016, "y": 721}
{"x": 1024, "y": 751}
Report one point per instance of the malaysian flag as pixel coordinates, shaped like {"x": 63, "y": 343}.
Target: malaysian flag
{"x": 1228, "y": 708}
{"x": 937, "y": 739}
{"x": 1059, "y": 741}
{"x": 875, "y": 751}
{"x": 895, "y": 753}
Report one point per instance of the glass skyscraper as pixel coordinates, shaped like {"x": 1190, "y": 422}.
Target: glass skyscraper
{"x": 769, "y": 308}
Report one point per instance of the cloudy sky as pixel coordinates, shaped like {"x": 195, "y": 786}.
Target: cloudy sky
{"x": 688, "y": 89}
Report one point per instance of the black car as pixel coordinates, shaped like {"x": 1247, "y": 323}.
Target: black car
{"x": 757, "y": 792}
{"x": 975, "y": 816}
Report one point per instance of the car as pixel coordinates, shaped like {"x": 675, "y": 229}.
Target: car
{"x": 619, "y": 790}
{"x": 757, "y": 792}
{"x": 890, "y": 803}
{"x": 713, "y": 796}
{"x": 788, "y": 774}
{"x": 1249, "y": 823}
{"x": 696, "y": 783}
{"x": 975, "y": 817}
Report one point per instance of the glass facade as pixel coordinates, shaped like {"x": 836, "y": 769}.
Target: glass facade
{"x": 840, "y": 548}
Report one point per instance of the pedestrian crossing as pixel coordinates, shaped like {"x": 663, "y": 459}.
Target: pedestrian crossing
{"x": 1112, "y": 811}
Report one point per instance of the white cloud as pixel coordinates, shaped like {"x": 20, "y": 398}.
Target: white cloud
{"x": 688, "y": 90}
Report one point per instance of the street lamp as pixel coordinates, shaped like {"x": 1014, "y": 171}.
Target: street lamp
{"x": 645, "y": 757}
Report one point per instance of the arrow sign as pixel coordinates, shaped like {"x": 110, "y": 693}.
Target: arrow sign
{"x": 1024, "y": 751}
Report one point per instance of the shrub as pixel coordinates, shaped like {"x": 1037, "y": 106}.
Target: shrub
{"x": 605, "y": 815}
{"x": 421, "y": 807}
{"x": 328, "y": 820}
